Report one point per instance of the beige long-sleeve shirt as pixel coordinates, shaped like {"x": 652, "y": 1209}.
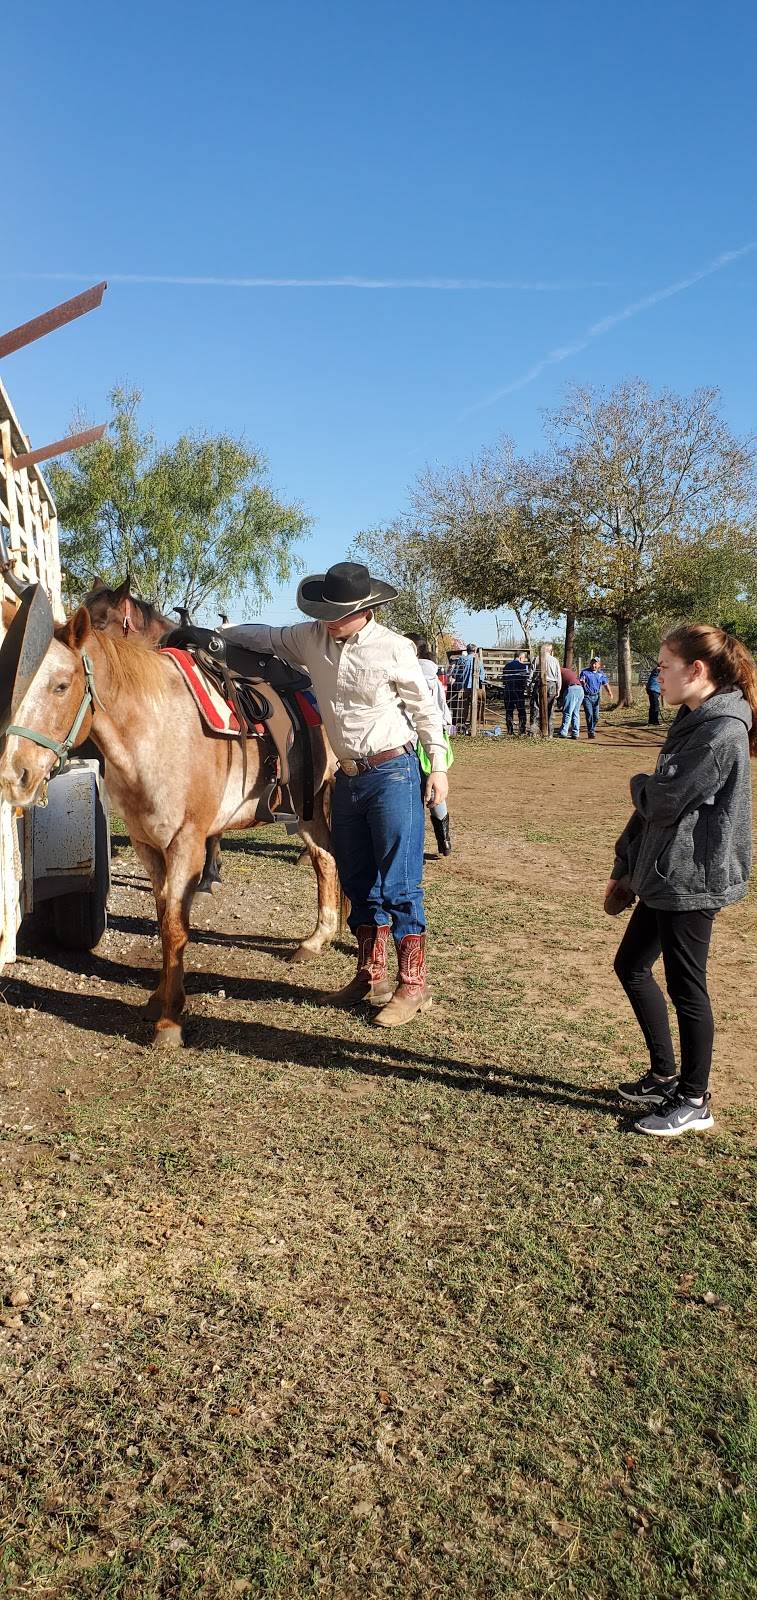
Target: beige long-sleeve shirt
{"x": 370, "y": 688}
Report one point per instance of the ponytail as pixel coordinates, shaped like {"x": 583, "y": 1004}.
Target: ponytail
{"x": 727, "y": 660}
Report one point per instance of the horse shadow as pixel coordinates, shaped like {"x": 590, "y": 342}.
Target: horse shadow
{"x": 308, "y": 1047}
{"x": 271, "y": 944}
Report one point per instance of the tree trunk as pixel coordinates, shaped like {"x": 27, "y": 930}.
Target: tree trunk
{"x": 523, "y": 625}
{"x": 570, "y": 629}
{"x": 625, "y": 666}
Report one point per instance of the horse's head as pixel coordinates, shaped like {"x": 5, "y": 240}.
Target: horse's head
{"x": 118, "y": 612}
{"x": 50, "y": 708}
{"x": 111, "y": 610}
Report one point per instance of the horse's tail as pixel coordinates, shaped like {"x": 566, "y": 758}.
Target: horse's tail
{"x": 344, "y": 903}
{"x": 344, "y": 911}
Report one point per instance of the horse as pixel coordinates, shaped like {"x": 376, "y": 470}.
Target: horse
{"x": 174, "y": 785}
{"x": 119, "y": 611}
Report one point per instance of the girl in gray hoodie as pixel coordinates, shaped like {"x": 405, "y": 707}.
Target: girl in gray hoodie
{"x": 686, "y": 853}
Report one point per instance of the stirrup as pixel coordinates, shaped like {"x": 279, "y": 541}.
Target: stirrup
{"x": 263, "y": 811}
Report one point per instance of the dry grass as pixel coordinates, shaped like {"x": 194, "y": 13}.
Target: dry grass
{"x": 314, "y": 1311}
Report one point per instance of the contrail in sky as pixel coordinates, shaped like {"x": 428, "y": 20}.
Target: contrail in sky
{"x": 537, "y": 286}
{"x": 564, "y": 351}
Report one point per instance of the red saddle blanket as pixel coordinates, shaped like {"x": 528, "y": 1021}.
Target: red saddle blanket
{"x": 216, "y": 713}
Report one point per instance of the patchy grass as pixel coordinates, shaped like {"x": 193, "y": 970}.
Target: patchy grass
{"x": 312, "y": 1310}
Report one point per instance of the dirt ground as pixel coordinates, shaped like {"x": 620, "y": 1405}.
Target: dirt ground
{"x": 533, "y": 823}
{"x": 310, "y": 1309}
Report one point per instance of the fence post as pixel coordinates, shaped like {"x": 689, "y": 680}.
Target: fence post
{"x": 543, "y": 702}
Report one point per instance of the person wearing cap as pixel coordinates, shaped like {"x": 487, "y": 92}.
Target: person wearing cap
{"x": 374, "y": 701}
{"x": 594, "y": 679}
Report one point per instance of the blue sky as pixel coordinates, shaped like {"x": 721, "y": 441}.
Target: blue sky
{"x": 586, "y": 155}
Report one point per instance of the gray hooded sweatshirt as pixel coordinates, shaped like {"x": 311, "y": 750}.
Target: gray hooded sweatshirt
{"x": 688, "y": 845}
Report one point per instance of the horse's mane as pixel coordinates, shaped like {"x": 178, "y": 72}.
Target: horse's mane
{"x": 149, "y": 611}
{"x": 131, "y": 666}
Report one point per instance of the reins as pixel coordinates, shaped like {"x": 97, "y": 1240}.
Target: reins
{"x": 63, "y": 748}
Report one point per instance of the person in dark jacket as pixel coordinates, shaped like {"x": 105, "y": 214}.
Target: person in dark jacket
{"x": 654, "y": 695}
{"x": 686, "y": 853}
{"x": 515, "y": 675}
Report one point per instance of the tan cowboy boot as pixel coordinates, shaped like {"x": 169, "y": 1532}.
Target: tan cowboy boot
{"x": 371, "y": 981}
{"x": 411, "y": 994}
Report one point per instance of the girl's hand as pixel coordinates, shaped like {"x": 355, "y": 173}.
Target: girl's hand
{"x": 618, "y": 896}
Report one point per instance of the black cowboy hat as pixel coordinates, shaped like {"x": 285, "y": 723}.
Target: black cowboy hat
{"x": 346, "y": 588}
{"x": 24, "y": 649}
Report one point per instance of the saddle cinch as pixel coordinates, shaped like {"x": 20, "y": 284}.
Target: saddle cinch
{"x": 262, "y": 690}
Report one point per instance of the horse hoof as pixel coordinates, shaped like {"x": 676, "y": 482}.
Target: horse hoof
{"x": 302, "y": 954}
{"x": 168, "y": 1036}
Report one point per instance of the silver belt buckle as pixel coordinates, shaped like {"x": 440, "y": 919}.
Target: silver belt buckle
{"x": 350, "y": 768}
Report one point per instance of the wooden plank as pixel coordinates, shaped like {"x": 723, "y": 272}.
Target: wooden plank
{"x": 19, "y": 440}
{"x": 27, "y": 525}
{"x": 67, "y": 311}
{"x": 6, "y": 448}
{"x": 35, "y": 532}
{"x": 75, "y": 441}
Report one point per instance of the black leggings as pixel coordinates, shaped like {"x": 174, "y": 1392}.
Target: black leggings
{"x": 683, "y": 938}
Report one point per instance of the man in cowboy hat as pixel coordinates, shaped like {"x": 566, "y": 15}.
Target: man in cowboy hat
{"x": 369, "y": 685}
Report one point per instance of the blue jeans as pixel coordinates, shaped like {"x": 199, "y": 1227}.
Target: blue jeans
{"x": 591, "y": 708}
{"x": 377, "y": 829}
{"x": 571, "y": 715}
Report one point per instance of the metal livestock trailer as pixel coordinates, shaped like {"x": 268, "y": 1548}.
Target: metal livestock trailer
{"x": 54, "y": 857}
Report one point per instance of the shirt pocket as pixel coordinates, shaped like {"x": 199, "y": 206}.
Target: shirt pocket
{"x": 368, "y": 683}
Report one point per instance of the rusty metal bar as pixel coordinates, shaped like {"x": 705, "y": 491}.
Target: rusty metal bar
{"x": 75, "y": 441}
{"x": 67, "y": 311}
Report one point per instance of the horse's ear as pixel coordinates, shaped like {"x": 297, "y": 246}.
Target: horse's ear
{"x": 76, "y": 630}
{"x": 122, "y": 592}
{"x": 98, "y": 583}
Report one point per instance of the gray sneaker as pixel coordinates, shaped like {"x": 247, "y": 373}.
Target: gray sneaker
{"x": 676, "y": 1116}
{"x": 648, "y": 1090}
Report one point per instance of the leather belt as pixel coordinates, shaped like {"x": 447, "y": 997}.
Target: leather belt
{"x": 351, "y": 767}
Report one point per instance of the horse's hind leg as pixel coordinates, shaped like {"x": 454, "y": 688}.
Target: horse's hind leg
{"x": 317, "y": 837}
{"x": 184, "y": 862}
{"x": 211, "y": 872}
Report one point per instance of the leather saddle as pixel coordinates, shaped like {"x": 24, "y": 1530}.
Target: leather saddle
{"x": 262, "y": 689}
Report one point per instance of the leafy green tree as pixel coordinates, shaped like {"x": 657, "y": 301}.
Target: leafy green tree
{"x": 400, "y": 555}
{"x": 565, "y": 553}
{"x": 648, "y": 476}
{"x": 190, "y": 522}
{"x": 742, "y": 622}
{"x": 483, "y": 536}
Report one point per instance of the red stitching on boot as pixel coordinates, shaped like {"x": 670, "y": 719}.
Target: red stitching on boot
{"x": 411, "y": 956}
{"x": 372, "y": 951}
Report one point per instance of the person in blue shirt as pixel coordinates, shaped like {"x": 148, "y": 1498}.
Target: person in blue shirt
{"x": 461, "y": 683}
{"x": 594, "y": 680}
{"x": 654, "y": 693}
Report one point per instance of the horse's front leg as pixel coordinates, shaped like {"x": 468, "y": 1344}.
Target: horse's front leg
{"x": 317, "y": 837}
{"x": 184, "y": 863}
{"x": 154, "y": 862}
